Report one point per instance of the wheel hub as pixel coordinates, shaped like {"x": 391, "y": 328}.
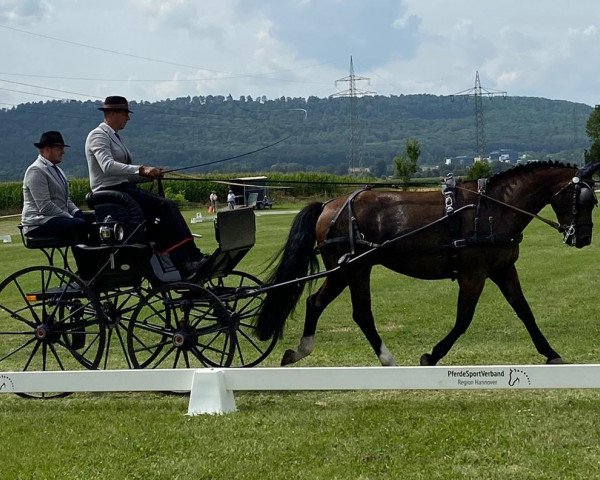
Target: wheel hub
{"x": 178, "y": 339}
{"x": 185, "y": 338}
{"x": 42, "y": 331}
{"x": 112, "y": 315}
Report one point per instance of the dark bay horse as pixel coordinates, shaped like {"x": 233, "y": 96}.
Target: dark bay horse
{"x": 473, "y": 237}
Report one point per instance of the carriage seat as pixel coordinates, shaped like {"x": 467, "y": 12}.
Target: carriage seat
{"x": 50, "y": 246}
{"x": 43, "y": 242}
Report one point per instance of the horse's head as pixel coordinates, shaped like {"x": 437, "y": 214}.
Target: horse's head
{"x": 573, "y": 205}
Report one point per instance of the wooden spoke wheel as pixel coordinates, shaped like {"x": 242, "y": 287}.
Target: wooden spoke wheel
{"x": 48, "y": 321}
{"x": 180, "y": 325}
{"x": 117, "y": 306}
{"x": 236, "y": 292}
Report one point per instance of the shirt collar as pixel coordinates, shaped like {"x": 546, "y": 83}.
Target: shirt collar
{"x": 110, "y": 128}
{"x": 45, "y": 161}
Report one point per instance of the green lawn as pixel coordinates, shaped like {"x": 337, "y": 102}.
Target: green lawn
{"x": 347, "y": 435}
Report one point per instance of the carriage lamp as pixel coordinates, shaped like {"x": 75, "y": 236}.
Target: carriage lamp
{"x": 111, "y": 231}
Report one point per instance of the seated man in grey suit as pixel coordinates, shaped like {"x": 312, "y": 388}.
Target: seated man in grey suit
{"x": 47, "y": 207}
{"x": 110, "y": 167}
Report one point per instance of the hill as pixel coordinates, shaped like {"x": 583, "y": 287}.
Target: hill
{"x": 199, "y": 130}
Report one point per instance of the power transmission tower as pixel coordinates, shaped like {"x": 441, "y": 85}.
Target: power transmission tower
{"x": 354, "y": 152}
{"x": 478, "y": 92}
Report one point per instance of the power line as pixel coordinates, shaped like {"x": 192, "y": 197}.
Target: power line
{"x": 230, "y": 75}
{"x": 174, "y": 80}
{"x": 48, "y": 88}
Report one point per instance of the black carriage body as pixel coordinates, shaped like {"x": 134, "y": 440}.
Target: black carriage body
{"x": 127, "y": 256}
{"x": 118, "y": 253}
{"x": 124, "y": 305}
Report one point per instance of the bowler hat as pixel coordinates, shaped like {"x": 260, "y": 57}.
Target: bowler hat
{"x": 115, "y": 103}
{"x": 51, "y": 138}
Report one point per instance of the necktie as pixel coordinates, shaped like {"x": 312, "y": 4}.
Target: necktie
{"x": 63, "y": 182}
{"x": 127, "y": 156}
{"x": 59, "y": 175}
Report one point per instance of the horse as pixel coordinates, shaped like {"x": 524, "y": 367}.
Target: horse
{"x": 468, "y": 234}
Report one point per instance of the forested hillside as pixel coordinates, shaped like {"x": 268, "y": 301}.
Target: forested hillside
{"x": 196, "y": 130}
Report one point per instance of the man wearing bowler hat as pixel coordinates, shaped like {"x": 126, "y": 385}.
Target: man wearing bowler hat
{"x": 111, "y": 167}
{"x": 47, "y": 207}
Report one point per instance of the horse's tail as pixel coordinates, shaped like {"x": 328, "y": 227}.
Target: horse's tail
{"x": 296, "y": 259}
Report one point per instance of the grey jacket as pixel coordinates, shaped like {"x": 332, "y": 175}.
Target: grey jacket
{"x": 108, "y": 159}
{"x": 45, "y": 194}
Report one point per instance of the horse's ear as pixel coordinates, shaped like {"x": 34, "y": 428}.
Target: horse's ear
{"x": 588, "y": 170}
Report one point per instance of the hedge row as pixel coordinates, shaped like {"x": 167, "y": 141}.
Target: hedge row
{"x": 197, "y": 190}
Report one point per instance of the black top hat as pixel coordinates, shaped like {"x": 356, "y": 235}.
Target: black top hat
{"x": 115, "y": 103}
{"x": 51, "y": 138}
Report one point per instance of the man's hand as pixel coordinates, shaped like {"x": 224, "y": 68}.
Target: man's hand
{"x": 151, "y": 172}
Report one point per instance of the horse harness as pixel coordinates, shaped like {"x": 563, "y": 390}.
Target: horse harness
{"x": 355, "y": 237}
{"x": 449, "y": 188}
{"x": 450, "y": 216}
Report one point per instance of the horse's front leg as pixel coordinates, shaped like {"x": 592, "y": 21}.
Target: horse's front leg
{"x": 470, "y": 289}
{"x": 508, "y": 282}
{"x": 360, "y": 293}
{"x": 315, "y": 305}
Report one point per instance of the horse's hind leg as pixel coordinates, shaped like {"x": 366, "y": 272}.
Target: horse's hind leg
{"x": 315, "y": 305}
{"x": 470, "y": 289}
{"x": 508, "y": 282}
{"x": 360, "y": 293}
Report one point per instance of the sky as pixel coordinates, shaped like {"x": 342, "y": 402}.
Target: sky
{"x": 157, "y": 49}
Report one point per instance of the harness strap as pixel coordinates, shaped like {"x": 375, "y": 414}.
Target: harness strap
{"x": 354, "y": 235}
{"x": 490, "y": 240}
{"x": 448, "y": 190}
{"x": 551, "y": 223}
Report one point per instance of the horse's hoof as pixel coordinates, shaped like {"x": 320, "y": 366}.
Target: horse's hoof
{"x": 426, "y": 360}
{"x": 288, "y": 357}
{"x": 555, "y": 361}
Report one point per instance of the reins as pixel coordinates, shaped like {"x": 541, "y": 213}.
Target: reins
{"x": 557, "y": 226}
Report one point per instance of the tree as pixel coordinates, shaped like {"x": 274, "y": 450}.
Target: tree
{"x": 406, "y": 164}
{"x": 479, "y": 170}
{"x": 592, "y": 129}
{"x": 379, "y": 168}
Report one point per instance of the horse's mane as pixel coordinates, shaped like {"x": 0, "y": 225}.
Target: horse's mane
{"x": 527, "y": 167}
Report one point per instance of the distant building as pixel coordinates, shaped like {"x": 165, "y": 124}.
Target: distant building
{"x": 506, "y": 155}
{"x": 461, "y": 160}
{"x": 359, "y": 170}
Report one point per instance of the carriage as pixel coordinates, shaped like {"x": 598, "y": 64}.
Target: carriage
{"x": 124, "y": 302}
{"x": 122, "y": 305}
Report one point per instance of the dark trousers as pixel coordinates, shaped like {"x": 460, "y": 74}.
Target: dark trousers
{"x": 68, "y": 229}
{"x": 166, "y": 226}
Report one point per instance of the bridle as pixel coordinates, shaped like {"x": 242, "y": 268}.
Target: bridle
{"x": 581, "y": 187}
{"x": 567, "y": 230}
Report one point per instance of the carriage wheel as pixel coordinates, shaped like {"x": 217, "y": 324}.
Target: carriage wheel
{"x": 180, "y": 325}
{"x": 48, "y": 321}
{"x": 249, "y": 351}
{"x": 117, "y": 307}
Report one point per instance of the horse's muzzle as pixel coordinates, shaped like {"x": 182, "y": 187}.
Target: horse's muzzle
{"x": 579, "y": 236}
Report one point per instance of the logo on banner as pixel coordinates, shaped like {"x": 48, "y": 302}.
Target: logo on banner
{"x": 492, "y": 378}
{"x": 518, "y": 378}
{"x": 6, "y": 384}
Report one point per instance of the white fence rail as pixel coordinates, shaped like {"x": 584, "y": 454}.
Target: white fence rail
{"x": 211, "y": 390}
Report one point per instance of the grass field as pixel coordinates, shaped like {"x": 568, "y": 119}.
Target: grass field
{"x": 347, "y": 435}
